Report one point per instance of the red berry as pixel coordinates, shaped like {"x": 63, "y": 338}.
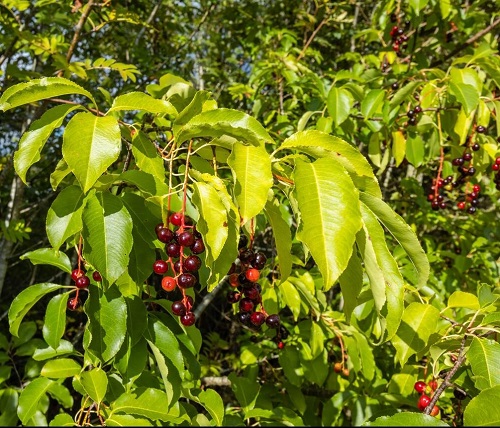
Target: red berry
{"x": 497, "y": 161}
{"x": 73, "y": 304}
{"x": 420, "y": 387}
{"x": 186, "y": 239}
{"x": 423, "y": 402}
{"x": 188, "y": 319}
{"x": 176, "y": 219}
{"x": 82, "y": 282}
{"x": 173, "y": 250}
{"x": 97, "y": 276}
{"x": 281, "y": 345}
{"x": 252, "y": 275}
{"x": 77, "y": 273}
{"x": 476, "y": 188}
{"x": 165, "y": 235}
{"x": 435, "y": 411}
{"x": 433, "y": 384}
{"x": 168, "y": 283}
{"x": 337, "y": 367}
{"x": 257, "y": 319}
{"x": 160, "y": 267}
{"x": 495, "y": 167}
{"x": 233, "y": 280}
{"x": 461, "y": 205}
{"x": 246, "y": 305}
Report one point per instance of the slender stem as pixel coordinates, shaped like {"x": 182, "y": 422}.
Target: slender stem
{"x": 310, "y": 39}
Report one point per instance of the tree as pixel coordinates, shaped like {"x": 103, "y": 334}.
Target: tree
{"x": 260, "y": 190}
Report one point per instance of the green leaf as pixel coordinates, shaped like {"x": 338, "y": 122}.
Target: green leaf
{"x": 212, "y": 223}
{"x": 95, "y": 384}
{"x": 403, "y": 233}
{"x": 169, "y": 377}
{"x": 131, "y": 359}
{"x": 165, "y": 340}
{"x": 107, "y": 233}
{"x": 64, "y": 217}
{"x": 330, "y": 214}
{"x": 60, "y": 368}
{"x": 282, "y": 237}
{"x": 90, "y": 145}
{"x": 49, "y": 256}
{"x": 392, "y": 279}
{"x": 415, "y": 150}
{"x": 461, "y": 299}
{"x": 419, "y": 321}
{"x": 147, "y": 157}
{"x": 339, "y": 104}
{"x": 25, "y": 300}
{"x": 61, "y": 394}
{"x": 61, "y": 171}
{"x": 406, "y": 419}
{"x": 212, "y": 401}
{"x": 55, "y": 319}
{"x": 34, "y": 139}
{"x": 319, "y": 144}
{"x": 215, "y": 123}
{"x": 251, "y": 166}
{"x": 398, "y": 147}
{"x": 141, "y": 101}
{"x": 403, "y": 93}
{"x": 484, "y": 358}
{"x": 127, "y": 421}
{"x": 418, "y": 5}
{"x": 39, "y": 89}
{"x": 466, "y": 95}
{"x": 62, "y": 420}
{"x": 46, "y": 353}
{"x": 372, "y": 102}
{"x": 463, "y": 124}
{"x": 291, "y": 297}
{"x": 194, "y": 108}
{"x": 245, "y": 390}
{"x": 137, "y": 318}
{"x": 107, "y": 314}
{"x": 30, "y": 397}
{"x": 149, "y": 402}
{"x": 9, "y": 400}
{"x": 483, "y": 409}
{"x": 146, "y": 182}
{"x": 351, "y": 283}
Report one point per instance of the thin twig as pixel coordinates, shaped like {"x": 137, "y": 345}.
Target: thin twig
{"x": 466, "y": 43}
{"x": 311, "y": 38}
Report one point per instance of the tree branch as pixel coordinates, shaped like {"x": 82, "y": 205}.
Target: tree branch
{"x": 466, "y": 43}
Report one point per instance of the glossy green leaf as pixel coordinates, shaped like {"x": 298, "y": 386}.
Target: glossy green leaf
{"x": 61, "y": 394}
{"x": 39, "y": 89}
{"x": 351, "y": 282}
{"x": 403, "y": 233}
{"x": 290, "y": 362}
{"x": 55, "y": 319}
{"x": 49, "y": 256}
{"x": 407, "y": 419}
{"x": 146, "y": 182}
{"x": 251, "y": 167}
{"x": 142, "y": 101}
{"x": 212, "y": 223}
{"x": 95, "y": 384}
{"x": 131, "y": 360}
{"x": 415, "y": 150}
{"x": 212, "y": 401}
{"x": 90, "y": 145}
{"x": 330, "y": 215}
{"x": 282, "y": 238}
{"x": 339, "y": 104}
{"x": 64, "y": 217}
{"x": 25, "y": 300}
{"x": 144, "y": 222}
{"x": 165, "y": 340}
{"x": 366, "y": 356}
{"x": 107, "y": 233}
{"x": 418, "y": 5}
{"x": 107, "y": 314}
{"x": 62, "y": 170}
{"x": 149, "y": 402}
{"x": 215, "y": 123}
{"x": 419, "y": 321}
{"x": 9, "y": 400}
{"x": 461, "y": 299}
{"x": 372, "y": 102}
{"x": 291, "y": 297}
{"x": 46, "y": 353}
{"x": 127, "y": 421}
{"x": 404, "y": 93}
{"x": 137, "y": 318}
{"x": 245, "y": 390}
{"x": 445, "y": 8}
{"x": 484, "y": 358}
{"x": 463, "y": 125}
{"x": 466, "y": 95}
{"x": 169, "y": 377}
{"x": 62, "y": 420}
{"x": 147, "y": 157}
{"x": 283, "y": 415}
{"x": 483, "y": 409}
{"x": 30, "y": 397}
{"x": 392, "y": 279}
{"x": 60, "y": 368}
{"x": 34, "y": 139}
{"x": 194, "y": 108}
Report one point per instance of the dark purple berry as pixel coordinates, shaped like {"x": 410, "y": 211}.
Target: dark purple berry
{"x": 480, "y": 129}
{"x": 243, "y": 242}
{"x": 257, "y": 318}
{"x": 259, "y": 261}
{"x": 244, "y": 317}
{"x": 174, "y": 250}
{"x": 178, "y": 308}
{"x": 186, "y": 280}
{"x": 160, "y": 267}
{"x": 82, "y": 282}
{"x": 188, "y": 319}
{"x": 192, "y": 263}
{"x": 73, "y": 304}
{"x": 246, "y": 305}
{"x": 467, "y": 157}
{"x": 273, "y": 321}
{"x": 475, "y": 147}
{"x": 417, "y": 109}
{"x": 165, "y": 235}
{"x": 186, "y": 239}
{"x": 198, "y": 246}
{"x": 233, "y": 297}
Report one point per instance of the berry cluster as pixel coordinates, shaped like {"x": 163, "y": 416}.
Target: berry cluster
{"x": 183, "y": 243}
{"x": 422, "y": 388}
{"x": 496, "y": 167}
{"x": 399, "y": 39}
{"x": 81, "y": 281}
{"x": 412, "y": 115}
{"x": 243, "y": 277}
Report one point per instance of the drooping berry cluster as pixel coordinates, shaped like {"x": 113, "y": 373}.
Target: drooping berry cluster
{"x": 246, "y": 292}
{"x": 422, "y": 388}
{"x": 496, "y": 167}
{"x": 399, "y": 39}
{"x": 412, "y": 115}
{"x": 81, "y": 281}
{"x": 183, "y": 243}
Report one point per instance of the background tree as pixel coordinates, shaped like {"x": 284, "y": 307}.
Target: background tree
{"x": 286, "y": 137}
